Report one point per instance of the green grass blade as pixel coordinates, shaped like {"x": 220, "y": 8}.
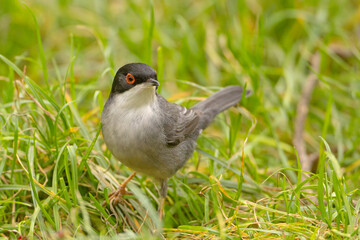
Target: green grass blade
{"x": 40, "y": 47}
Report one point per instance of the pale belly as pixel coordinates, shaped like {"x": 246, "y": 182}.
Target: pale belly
{"x": 135, "y": 138}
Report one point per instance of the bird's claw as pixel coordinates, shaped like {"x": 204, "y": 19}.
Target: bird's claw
{"x": 117, "y": 196}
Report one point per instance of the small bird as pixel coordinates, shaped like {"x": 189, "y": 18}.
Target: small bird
{"x": 149, "y": 134}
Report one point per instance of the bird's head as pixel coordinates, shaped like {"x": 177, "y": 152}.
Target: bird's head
{"x": 134, "y": 75}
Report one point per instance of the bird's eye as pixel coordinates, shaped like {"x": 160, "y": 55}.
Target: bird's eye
{"x": 130, "y": 78}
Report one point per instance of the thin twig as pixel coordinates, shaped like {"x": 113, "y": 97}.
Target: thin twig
{"x": 302, "y": 112}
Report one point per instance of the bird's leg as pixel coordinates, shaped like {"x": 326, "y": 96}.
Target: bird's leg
{"x": 163, "y": 194}
{"x": 116, "y": 196}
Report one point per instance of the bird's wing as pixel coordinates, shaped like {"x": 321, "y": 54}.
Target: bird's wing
{"x": 185, "y": 126}
{"x": 179, "y": 122}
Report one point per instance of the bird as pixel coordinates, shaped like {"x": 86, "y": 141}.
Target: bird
{"x": 150, "y": 135}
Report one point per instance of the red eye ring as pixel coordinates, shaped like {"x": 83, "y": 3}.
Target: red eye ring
{"x": 130, "y": 79}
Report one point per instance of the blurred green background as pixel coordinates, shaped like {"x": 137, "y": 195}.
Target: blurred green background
{"x": 72, "y": 49}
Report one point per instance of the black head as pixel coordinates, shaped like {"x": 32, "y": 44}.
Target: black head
{"x": 132, "y": 74}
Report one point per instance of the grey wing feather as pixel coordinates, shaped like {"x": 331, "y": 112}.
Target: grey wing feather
{"x": 186, "y": 124}
{"x": 179, "y": 122}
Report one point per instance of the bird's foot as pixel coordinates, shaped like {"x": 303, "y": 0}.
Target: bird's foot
{"x": 116, "y": 196}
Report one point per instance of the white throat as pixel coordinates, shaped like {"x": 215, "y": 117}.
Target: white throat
{"x": 138, "y": 96}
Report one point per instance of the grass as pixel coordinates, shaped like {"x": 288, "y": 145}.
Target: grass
{"x": 244, "y": 181}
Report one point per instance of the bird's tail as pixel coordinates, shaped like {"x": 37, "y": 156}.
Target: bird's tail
{"x": 217, "y": 103}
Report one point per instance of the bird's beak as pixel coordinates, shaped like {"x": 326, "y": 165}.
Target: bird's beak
{"x": 153, "y": 82}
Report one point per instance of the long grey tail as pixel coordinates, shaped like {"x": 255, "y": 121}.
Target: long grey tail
{"x": 217, "y": 103}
